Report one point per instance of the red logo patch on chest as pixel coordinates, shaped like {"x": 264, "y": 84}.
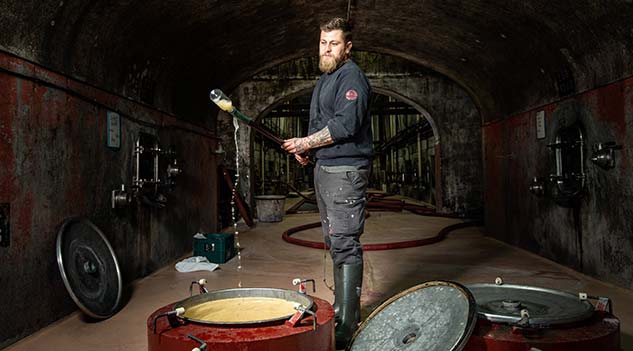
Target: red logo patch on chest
{"x": 351, "y": 95}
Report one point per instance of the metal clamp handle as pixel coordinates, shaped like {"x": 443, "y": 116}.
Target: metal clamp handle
{"x": 171, "y": 317}
{"x": 603, "y": 303}
{"x": 302, "y": 309}
{"x": 201, "y": 283}
{"x": 297, "y": 316}
{"x": 314, "y": 319}
{"x": 203, "y": 345}
{"x": 302, "y": 284}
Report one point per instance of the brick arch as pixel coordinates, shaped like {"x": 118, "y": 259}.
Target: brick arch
{"x": 376, "y": 89}
{"x": 455, "y": 120}
{"x": 383, "y": 91}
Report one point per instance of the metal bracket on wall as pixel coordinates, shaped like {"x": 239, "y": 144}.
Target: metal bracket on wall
{"x": 154, "y": 171}
{"x": 567, "y": 184}
{"x": 5, "y": 228}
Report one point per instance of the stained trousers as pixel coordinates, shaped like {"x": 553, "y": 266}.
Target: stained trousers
{"x": 340, "y": 193}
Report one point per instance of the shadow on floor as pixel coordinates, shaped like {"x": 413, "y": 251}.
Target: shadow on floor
{"x": 126, "y": 296}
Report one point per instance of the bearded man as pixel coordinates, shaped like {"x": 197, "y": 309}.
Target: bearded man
{"x": 340, "y": 134}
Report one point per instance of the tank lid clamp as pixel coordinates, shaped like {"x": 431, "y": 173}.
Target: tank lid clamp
{"x": 203, "y": 345}
{"x": 302, "y": 284}
{"x": 524, "y": 327}
{"x": 603, "y": 304}
{"x": 301, "y": 311}
{"x": 172, "y": 317}
{"x": 201, "y": 285}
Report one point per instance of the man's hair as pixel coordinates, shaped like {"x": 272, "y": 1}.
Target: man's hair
{"x": 338, "y": 23}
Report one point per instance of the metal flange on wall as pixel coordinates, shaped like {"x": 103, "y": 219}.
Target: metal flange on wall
{"x": 154, "y": 172}
{"x": 567, "y": 184}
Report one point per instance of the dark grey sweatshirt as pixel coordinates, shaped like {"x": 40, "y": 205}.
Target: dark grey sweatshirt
{"x": 340, "y": 101}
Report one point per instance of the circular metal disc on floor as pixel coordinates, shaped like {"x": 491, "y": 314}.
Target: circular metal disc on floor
{"x": 546, "y": 307}
{"x": 436, "y": 315}
{"x": 89, "y": 268}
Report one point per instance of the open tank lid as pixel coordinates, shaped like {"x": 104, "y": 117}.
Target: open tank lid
{"x": 289, "y": 295}
{"x": 89, "y": 268}
{"x": 436, "y": 315}
{"x": 544, "y": 307}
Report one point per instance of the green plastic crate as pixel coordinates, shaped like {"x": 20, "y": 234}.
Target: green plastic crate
{"x": 216, "y": 247}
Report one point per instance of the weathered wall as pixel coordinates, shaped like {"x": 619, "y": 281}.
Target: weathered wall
{"x": 598, "y": 239}
{"x": 458, "y": 129}
{"x": 54, "y": 164}
{"x": 450, "y": 110}
{"x": 507, "y": 54}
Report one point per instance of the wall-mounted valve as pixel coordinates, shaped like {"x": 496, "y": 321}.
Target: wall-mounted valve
{"x": 173, "y": 169}
{"x": 567, "y": 184}
{"x": 538, "y": 186}
{"x": 154, "y": 170}
{"x": 121, "y": 198}
{"x": 604, "y": 154}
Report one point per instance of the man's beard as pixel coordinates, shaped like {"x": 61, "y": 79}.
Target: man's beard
{"x": 328, "y": 64}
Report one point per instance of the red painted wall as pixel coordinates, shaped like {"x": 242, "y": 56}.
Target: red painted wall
{"x": 54, "y": 164}
{"x": 597, "y": 240}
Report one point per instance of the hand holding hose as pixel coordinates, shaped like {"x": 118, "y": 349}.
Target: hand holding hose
{"x": 300, "y": 146}
{"x": 297, "y": 146}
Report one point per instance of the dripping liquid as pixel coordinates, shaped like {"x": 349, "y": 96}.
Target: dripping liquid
{"x": 233, "y": 213}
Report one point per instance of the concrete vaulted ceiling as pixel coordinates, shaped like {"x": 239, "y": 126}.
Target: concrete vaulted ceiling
{"x": 509, "y": 55}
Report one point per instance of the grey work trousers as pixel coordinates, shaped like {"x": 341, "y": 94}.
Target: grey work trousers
{"x": 340, "y": 193}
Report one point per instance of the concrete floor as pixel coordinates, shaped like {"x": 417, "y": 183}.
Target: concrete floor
{"x": 465, "y": 256}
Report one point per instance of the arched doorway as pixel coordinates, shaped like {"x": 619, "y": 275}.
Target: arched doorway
{"x": 405, "y": 142}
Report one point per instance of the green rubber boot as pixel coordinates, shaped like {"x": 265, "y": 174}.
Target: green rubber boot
{"x": 338, "y": 282}
{"x": 347, "y": 297}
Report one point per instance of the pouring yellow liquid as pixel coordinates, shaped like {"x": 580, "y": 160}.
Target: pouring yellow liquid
{"x": 226, "y": 105}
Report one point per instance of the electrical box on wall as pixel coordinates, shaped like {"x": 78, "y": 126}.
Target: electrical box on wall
{"x": 540, "y": 125}
{"x": 114, "y": 130}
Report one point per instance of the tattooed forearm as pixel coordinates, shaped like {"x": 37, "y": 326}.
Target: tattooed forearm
{"x": 300, "y": 146}
{"x": 318, "y": 139}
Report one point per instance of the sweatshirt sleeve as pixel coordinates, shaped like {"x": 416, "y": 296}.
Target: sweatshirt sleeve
{"x": 351, "y": 103}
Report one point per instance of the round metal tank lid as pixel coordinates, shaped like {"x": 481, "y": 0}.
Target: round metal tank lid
{"x": 545, "y": 307}
{"x": 436, "y": 315}
{"x": 89, "y": 268}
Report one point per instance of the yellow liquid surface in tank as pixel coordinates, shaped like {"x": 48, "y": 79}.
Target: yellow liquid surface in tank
{"x": 241, "y": 310}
